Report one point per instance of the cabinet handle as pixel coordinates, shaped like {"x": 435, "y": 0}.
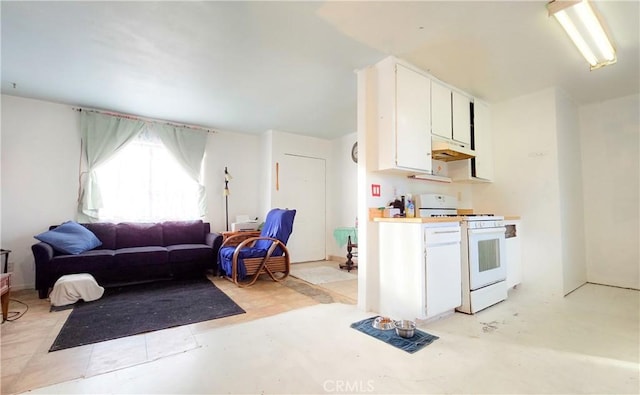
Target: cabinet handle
{"x": 446, "y": 231}
{"x": 434, "y": 245}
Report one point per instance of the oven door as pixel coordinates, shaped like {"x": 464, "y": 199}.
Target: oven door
{"x": 486, "y": 257}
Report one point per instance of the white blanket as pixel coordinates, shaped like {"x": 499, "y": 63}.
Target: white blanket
{"x": 73, "y": 287}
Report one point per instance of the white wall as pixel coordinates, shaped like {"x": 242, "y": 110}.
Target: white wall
{"x": 368, "y": 266}
{"x": 571, "y": 194}
{"x": 266, "y": 175}
{"x": 238, "y": 152}
{"x": 579, "y": 200}
{"x": 610, "y": 150}
{"x": 526, "y": 183}
{"x": 342, "y": 204}
{"x": 40, "y": 155}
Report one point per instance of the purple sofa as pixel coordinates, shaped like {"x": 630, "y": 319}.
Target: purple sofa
{"x": 133, "y": 252}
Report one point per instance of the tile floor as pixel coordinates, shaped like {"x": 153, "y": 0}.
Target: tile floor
{"x": 587, "y": 342}
{"x": 26, "y": 363}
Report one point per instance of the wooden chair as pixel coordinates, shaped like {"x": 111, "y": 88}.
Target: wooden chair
{"x": 243, "y": 258}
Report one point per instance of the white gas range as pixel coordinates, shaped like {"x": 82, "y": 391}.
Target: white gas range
{"x": 482, "y": 252}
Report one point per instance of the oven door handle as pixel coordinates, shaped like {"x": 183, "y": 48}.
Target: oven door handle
{"x": 487, "y": 230}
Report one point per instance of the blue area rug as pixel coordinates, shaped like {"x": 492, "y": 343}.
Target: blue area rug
{"x": 419, "y": 340}
{"x": 134, "y": 309}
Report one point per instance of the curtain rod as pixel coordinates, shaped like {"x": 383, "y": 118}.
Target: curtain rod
{"x": 135, "y": 118}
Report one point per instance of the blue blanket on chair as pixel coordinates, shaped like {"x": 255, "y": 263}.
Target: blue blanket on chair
{"x": 226, "y": 259}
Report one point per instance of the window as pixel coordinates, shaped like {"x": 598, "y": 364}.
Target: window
{"x": 144, "y": 183}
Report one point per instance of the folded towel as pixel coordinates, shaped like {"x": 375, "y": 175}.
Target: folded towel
{"x": 73, "y": 287}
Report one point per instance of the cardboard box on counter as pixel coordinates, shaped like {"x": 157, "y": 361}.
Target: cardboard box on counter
{"x": 375, "y": 212}
{"x": 390, "y": 212}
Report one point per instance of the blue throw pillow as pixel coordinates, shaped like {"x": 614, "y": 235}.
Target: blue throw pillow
{"x": 70, "y": 238}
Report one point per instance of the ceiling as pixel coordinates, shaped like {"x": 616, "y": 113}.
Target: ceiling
{"x": 253, "y": 66}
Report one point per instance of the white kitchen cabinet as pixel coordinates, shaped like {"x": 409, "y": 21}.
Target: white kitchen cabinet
{"x": 420, "y": 270}
{"x": 513, "y": 252}
{"x": 483, "y": 140}
{"x": 444, "y": 271}
{"x": 404, "y": 118}
{"x": 480, "y": 168}
{"x": 461, "y": 118}
{"x": 450, "y": 113}
{"x": 441, "y": 120}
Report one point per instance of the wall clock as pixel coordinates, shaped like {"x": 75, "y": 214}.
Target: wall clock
{"x": 354, "y": 152}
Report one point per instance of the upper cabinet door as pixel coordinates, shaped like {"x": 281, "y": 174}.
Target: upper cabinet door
{"x": 483, "y": 140}
{"x": 461, "y": 118}
{"x": 440, "y": 110}
{"x": 413, "y": 118}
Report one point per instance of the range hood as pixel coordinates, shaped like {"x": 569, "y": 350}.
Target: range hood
{"x": 448, "y": 150}
{"x": 430, "y": 177}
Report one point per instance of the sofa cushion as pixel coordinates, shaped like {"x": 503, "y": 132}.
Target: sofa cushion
{"x": 183, "y": 232}
{"x": 141, "y": 256}
{"x": 130, "y": 234}
{"x": 70, "y": 238}
{"x": 190, "y": 252}
{"x": 141, "y": 264}
{"x": 106, "y": 232}
{"x": 97, "y": 262}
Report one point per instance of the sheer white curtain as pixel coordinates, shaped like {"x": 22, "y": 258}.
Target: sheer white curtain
{"x": 144, "y": 183}
{"x": 187, "y": 147}
{"x": 103, "y": 136}
{"x": 141, "y": 171}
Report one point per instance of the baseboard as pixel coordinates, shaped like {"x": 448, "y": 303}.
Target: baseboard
{"x": 21, "y": 287}
{"x": 341, "y": 258}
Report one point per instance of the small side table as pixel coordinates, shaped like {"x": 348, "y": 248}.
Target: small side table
{"x": 349, "y": 264}
{"x": 348, "y": 236}
{"x": 5, "y": 290}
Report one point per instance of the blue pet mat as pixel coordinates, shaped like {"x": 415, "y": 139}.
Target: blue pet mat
{"x": 419, "y": 340}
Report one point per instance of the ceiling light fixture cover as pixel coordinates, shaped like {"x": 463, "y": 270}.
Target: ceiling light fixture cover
{"x": 580, "y": 22}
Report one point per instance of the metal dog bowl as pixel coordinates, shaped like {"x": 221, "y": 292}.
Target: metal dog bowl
{"x": 405, "y": 328}
{"x": 384, "y": 323}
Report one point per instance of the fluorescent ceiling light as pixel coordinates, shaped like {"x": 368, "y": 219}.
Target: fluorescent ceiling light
{"x": 581, "y": 24}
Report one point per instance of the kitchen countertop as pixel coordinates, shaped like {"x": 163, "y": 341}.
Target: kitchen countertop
{"x": 419, "y": 220}
{"x": 434, "y": 219}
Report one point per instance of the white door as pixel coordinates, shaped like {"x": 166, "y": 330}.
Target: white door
{"x": 302, "y": 186}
